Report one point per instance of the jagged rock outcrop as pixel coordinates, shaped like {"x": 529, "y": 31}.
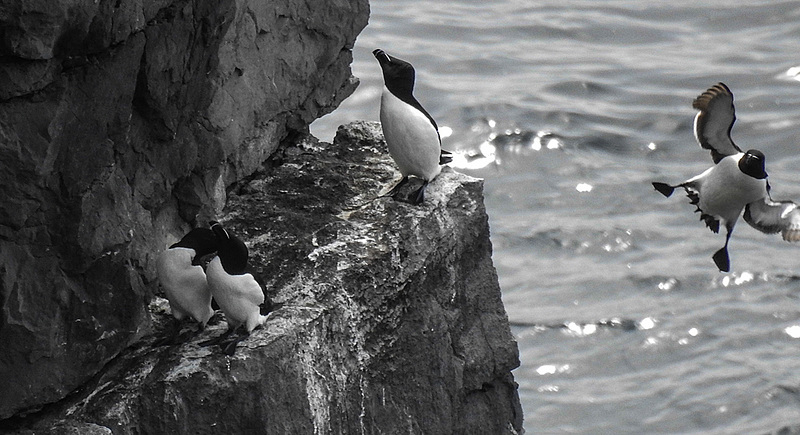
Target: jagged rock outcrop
{"x": 392, "y": 319}
{"x": 121, "y": 124}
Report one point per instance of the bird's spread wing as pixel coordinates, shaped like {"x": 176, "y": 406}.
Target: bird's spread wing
{"x": 773, "y": 217}
{"x": 712, "y": 125}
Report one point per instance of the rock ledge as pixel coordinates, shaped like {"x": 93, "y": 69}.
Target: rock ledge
{"x": 392, "y": 319}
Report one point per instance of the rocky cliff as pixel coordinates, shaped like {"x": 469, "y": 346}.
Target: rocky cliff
{"x": 121, "y": 125}
{"x": 391, "y": 321}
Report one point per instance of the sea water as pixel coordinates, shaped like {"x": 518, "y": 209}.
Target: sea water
{"x": 569, "y": 109}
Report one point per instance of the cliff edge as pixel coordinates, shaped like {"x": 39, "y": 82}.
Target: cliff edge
{"x": 391, "y": 320}
{"x": 124, "y": 124}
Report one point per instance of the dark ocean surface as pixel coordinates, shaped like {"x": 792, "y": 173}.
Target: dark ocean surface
{"x": 568, "y": 110}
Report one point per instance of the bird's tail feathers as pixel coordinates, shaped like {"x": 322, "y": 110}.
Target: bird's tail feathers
{"x": 664, "y": 188}
{"x": 269, "y": 306}
{"x": 445, "y": 157}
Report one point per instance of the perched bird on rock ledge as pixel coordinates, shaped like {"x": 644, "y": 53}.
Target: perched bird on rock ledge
{"x": 410, "y": 131}
{"x": 184, "y": 282}
{"x": 237, "y": 292}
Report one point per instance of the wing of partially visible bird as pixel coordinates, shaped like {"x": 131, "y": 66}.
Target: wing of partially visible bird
{"x": 773, "y": 217}
{"x": 249, "y": 289}
{"x": 712, "y": 125}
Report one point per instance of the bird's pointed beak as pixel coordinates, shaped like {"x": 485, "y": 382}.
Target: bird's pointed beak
{"x": 762, "y": 174}
{"x": 381, "y": 55}
{"x": 759, "y": 175}
{"x": 218, "y": 229}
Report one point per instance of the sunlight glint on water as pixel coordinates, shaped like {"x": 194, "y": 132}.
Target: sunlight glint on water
{"x": 569, "y": 109}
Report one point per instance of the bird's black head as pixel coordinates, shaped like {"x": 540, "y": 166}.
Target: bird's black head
{"x": 202, "y": 240}
{"x": 753, "y": 164}
{"x": 231, "y": 250}
{"x": 398, "y": 75}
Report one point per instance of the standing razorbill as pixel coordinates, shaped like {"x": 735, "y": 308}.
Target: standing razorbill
{"x": 722, "y": 191}
{"x": 238, "y": 294}
{"x": 183, "y": 279}
{"x": 738, "y": 180}
{"x": 410, "y": 131}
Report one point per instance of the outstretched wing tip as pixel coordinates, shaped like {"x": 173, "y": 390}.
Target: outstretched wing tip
{"x": 771, "y": 217}
{"x": 714, "y": 121}
{"x": 702, "y": 101}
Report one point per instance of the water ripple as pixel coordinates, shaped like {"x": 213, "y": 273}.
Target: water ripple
{"x": 569, "y": 110}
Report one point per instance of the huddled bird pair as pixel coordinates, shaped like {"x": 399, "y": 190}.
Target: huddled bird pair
{"x": 190, "y": 288}
{"x": 737, "y": 181}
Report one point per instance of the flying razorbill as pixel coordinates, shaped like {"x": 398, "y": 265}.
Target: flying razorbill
{"x": 737, "y": 181}
{"x": 237, "y": 292}
{"x": 181, "y": 275}
{"x": 410, "y": 131}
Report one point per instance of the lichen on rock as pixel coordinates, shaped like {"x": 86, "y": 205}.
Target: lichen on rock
{"x": 121, "y": 125}
{"x": 391, "y": 320}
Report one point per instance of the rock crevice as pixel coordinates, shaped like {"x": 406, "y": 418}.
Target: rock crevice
{"x": 122, "y": 124}
{"x": 391, "y": 320}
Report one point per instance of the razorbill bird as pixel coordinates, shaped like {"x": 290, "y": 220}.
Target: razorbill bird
{"x": 182, "y": 277}
{"x": 737, "y": 178}
{"x": 237, "y": 292}
{"x": 410, "y": 131}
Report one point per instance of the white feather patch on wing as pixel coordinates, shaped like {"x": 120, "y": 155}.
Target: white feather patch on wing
{"x": 773, "y": 217}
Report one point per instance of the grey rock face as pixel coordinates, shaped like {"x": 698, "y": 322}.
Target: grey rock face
{"x": 391, "y": 321}
{"x": 121, "y": 125}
